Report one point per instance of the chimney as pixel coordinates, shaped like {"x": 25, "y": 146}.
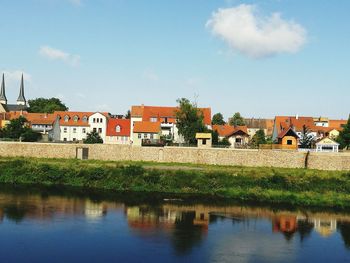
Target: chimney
{"x": 297, "y": 116}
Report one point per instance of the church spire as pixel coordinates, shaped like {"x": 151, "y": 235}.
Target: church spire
{"x": 3, "y": 99}
{"x": 21, "y": 99}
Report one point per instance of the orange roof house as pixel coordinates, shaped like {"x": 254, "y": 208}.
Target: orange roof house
{"x": 164, "y": 114}
{"x": 282, "y": 123}
{"x": 288, "y": 138}
{"x": 123, "y": 130}
{"x": 147, "y": 127}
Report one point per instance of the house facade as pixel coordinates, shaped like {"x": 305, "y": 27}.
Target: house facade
{"x": 237, "y": 135}
{"x": 146, "y": 131}
{"x": 118, "y": 131}
{"x": 166, "y": 116}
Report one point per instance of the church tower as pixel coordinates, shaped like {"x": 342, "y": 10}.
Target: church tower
{"x": 21, "y": 99}
{"x": 3, "y": 99}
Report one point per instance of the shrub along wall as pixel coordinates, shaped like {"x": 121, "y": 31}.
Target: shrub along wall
{"x": 265, "y": 158}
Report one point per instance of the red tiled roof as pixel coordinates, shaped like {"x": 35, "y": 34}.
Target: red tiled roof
{"x": 285, "y": 131}
{"x": 71, "y": 114}
{"x": 159, "y": 112}
{"x": 228, "y": 130}
{"x": 32, "y": 118}
{"x": 337, "y": 124}
{"x": 124, "y": 127}
{"x": 284, "y": 122}
{"x": 146, "y": 126}
{"x": 223, "y": 130}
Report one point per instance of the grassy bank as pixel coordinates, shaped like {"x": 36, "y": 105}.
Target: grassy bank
{"x": 269, "y": 185}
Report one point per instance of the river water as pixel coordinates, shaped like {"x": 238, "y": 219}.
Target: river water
{"x": 41, "y": 225}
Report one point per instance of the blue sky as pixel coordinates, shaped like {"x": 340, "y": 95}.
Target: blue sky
{"x": 229, "y": 55}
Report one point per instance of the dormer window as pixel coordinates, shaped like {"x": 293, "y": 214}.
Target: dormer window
{"x": 85, "y": 118}
{"x": 66, "y": 118}
{"x": 75, "y": 118}
{"x": 117, "y": 128}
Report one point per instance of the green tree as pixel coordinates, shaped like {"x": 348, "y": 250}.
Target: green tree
{"x": 237, "y": 120}
{"x": 42, "y": 105}
{"x": 189, "y": 120}
{"x": 259, "y": 138}
{"x": 18, "y": 130}
{"x": 214, "y": 137}
{"x": 93, "y": 137}
{"x": 225, "y": 142}
{"x": 218, "y": 119}
{"x": 306, "y": 138}
{"x": 344, "y": 136}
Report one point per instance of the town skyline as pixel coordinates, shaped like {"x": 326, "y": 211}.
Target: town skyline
{"x": 138, "y": 53}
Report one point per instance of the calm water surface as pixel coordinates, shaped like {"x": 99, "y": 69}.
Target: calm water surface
{"x": 46, "y": 226}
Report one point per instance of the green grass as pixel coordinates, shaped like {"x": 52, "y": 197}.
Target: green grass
{"x": 299, "y": 187}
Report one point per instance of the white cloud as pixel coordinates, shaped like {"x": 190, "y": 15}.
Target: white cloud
{"x": 150, "y": 75}
{"x": 257, "y": 36}
{"x": 56, "y": 54}
{"x": 14, "y": 76}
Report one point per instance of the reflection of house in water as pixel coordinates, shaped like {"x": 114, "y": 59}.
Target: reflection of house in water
{"x": 287, "y": 224}
{"x": 325, "y": 227}
{"x": 94, "y": 210}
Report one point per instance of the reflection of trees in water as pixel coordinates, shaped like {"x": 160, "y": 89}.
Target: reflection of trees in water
{"x": 305, "y": 228}
{"x": 15, "y": 213}
{"x": 344, "y": 229}
{"x": 186, "y": 235}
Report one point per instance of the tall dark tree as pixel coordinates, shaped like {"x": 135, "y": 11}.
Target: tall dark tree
{"x": 218, "y": 119}
{"x": 93, "y": 137}
{"x": 344, "y": 136}
{"x": 306, "y": 138}
{"x": 189, "y": 120}
{"x": 259, "y": 138}
{"x": 237, "y": 120}
{"x": 42, "y": 105}
{"x": 127, "y": 115}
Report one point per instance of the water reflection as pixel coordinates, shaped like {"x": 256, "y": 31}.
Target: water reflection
{"x": 188, "y": 226}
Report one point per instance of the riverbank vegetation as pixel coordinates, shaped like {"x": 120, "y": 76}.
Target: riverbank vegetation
{"x": 297, "y": 187}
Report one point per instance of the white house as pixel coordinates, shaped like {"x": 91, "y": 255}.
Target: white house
{"x": 98, "y": 123}
{"x": 327, "y": 145}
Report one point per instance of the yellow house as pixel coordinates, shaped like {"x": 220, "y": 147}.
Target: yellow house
{"x": 288, "y": 139}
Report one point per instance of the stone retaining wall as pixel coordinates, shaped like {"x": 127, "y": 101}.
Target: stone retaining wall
{"x": 268, "y": 158}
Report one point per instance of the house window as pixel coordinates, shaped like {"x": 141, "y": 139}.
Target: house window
{"x": 93, "y": 120}
{"x": 94, "y": 129}
{"x": 64, "y": 139}
{"x": 145, "y": 135}
{"x": 74, "y": 139}
{"x": 99, "y": 130}
{"x": 85, "y": 119}
{"x": 74, "y": 130}
{"x": 153, "y": 119}
{"x": 75, "y": 118}
{"x": 66, "y": 118}
{"x": 84, "y": 130}
{"x": 289, "y": 142}
{"x": 151, "y": 136}
{"x": 238, "y": 140}
{"x": 204, "y": 142}
{"x": 64, "y": 129}
{"x": 101, "y": 120}
{"x": 117, "y": 129}
{"x": 139, "y": 136}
